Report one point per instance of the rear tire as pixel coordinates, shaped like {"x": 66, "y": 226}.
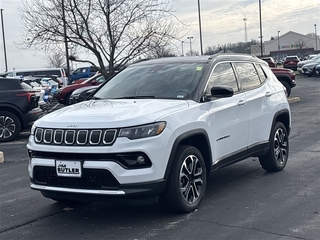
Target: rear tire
{"x": 276, "y": 158}
{"x": 287, "y": 86}
{"x": 10, "y": 126}
{"x": 187, "y": 181}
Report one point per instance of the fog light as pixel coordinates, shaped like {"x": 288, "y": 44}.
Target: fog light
{"x": 140, "y": 159}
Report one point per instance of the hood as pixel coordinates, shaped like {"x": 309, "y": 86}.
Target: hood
{"x": 312, "y": 64}
{"x": 111, "y": 113}
{"x": 79, "y": 90}
{"x": 301, "y": 63}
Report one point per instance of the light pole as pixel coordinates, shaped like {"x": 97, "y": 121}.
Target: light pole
{"x": 182, "y": 42}
{"x": 190, "y": 45}
{"x": 4, "y": 42}
{"x": 245, "y": 30}
{"x": 261, "y": 47}
{"x": 200, "y": 28}
{"x": 315, "y": 32}
{"x": 278, "y": 41}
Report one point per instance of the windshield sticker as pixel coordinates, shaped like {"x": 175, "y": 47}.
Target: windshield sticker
{"x": 198, "y": 68}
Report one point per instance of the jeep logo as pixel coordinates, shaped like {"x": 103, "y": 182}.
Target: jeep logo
{"x": 71, "y": 125}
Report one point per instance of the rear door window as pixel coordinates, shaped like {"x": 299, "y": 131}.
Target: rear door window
{"x": 248, "y": 75}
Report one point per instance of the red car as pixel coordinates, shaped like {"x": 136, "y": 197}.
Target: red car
{"x": 291, "y": 62}
{"x": 63, "y": 94}
{"x": 287, "y": 77}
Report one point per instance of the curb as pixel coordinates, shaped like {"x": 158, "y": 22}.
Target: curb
{"x": 1, "y": 157}
{"x": 293, "y": 99}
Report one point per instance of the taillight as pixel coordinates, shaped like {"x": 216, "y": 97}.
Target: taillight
{"x": 25, "y": 94}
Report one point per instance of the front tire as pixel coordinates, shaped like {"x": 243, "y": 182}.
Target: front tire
{"x": 276, "y": 158}
{"x": 187, "y": 181}
{"x": 10, "y": 126}
{"x": 67, "y": 100}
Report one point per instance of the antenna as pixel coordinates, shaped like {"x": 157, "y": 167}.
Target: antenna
{"x": 245, "y": 30}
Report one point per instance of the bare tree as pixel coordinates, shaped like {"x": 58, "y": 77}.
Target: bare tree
{"x": 192, "y": 53}
{"x": 300, "y": 44}
{"x": 114, "y": 31}
{"x": 56, "y": 60}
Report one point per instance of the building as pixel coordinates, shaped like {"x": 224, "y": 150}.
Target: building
{"x": 290, "y": 43}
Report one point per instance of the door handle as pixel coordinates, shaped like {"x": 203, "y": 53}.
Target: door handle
{"x": 241, "y": 103}
{"x": 268, "y": 94}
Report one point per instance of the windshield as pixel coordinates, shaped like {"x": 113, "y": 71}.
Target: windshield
{"x": 170, "y": 81}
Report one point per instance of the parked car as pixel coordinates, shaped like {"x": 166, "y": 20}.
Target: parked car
{"x": 270, "y": 61}
{"x": 279, "y": 62}
{"x": 287, "y": 77}
{"x": 157, "y": 129}
{"x": 310, "y": 68}
{"x": 81, "y": 94}
{"x": 63, "y": 94}
{"x": 18, "y": 108}
{"x": 309, "y": 60}
{"x": 291, "y": 62}
{"x": 56, "y": 74}
{"x": 318, "y": 70}
{"x": 83, "y": 72}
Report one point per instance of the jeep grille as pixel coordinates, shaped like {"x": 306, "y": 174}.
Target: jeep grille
{"x": 79, "y": 137}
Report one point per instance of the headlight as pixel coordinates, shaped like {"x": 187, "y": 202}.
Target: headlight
{"x": 143, "y": 131}
{"x": 33, "y": 129}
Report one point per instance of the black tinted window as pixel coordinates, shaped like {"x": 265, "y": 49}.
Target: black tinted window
{"x": 9, "y": 84}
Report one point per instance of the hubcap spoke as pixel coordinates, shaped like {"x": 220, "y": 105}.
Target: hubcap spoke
{"x": 7, "y": 127}
{"x": 280, "y": 146}
{"x": 191, "y": 179}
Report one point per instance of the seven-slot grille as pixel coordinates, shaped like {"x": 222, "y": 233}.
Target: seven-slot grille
{"x": 79, "y": 137}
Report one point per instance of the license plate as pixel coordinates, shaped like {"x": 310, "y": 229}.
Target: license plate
{"x": 68, "y": 168}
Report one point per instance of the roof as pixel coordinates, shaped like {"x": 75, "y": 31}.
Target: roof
{"x": 201, "y": 59}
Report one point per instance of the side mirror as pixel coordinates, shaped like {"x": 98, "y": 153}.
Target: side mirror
{"x": 221, "y": 91}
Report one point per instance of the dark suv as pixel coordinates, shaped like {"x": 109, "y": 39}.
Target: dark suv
{"x": 18, "y": 108}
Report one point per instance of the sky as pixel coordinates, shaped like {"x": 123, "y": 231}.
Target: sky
{"x": 221, "y": 22}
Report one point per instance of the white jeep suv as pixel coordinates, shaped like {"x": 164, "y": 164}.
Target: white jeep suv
{"x": 159, "y": 128}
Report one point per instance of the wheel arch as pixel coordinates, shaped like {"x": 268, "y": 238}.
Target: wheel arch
{"x": 284, "y": 117}
{"x": 197, "y": 138}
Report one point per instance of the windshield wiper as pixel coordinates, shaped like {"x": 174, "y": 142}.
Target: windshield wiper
{"x": 94, "y": 98}
{"x": 135, "y": 97}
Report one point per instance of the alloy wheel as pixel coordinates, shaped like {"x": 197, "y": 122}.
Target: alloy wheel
{"x": 280, "y": 146}
{"x": 7, "y": 127}
{"x": 191, "y": 179}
